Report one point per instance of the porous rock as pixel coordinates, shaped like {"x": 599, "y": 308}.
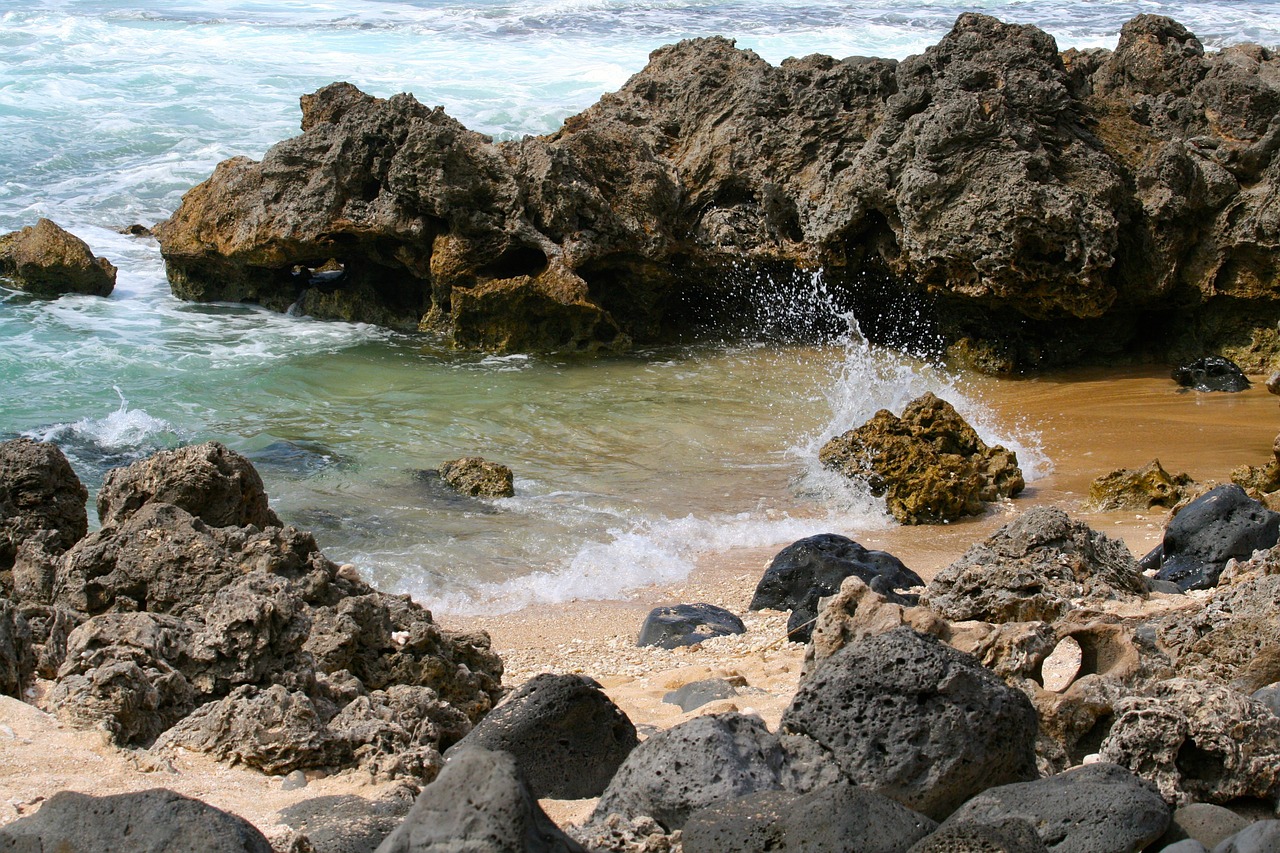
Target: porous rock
{"x": 1097, "y": 808}
{"x": 1198, "y": 742}
{"x": 1211, "y": 373}
{"x": 832, "y": 818}
{"x": 346, "y": 823}
{"x": 916, "y": 720}
{"x": 38, "y": 492}
{"x": 478, "y": 802}
{"x": 1233, "y": 638}
{"x": 687, "y": 625}
{"x": 999, "y": 835}
{"x": 17, "y": 654}
{"x": 478, "y": 477}
{"x": 45, "y": 260}
{"x": 1034, "y": 568}
{"x": 213, "y": 483}
{"x": 1221, "y": 524}
{"x": 929, "y": 464}
{"x": 857, "y": 612}
{"x": 568, "y": 738}
{"x": 158, "y": 819}
{"x": 1139, "y": 488}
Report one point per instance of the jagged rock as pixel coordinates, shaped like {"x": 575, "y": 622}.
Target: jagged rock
{"x": 49, "y": 629}
{"x": 17, "y": 655}
{"x": 1212, "y": 373}
{"x": 158, "y": 819}
{"x": 1148, "y": 171}
{"x": 1234, "y": 638}
{"x": 479, "y": 802}
{"x": 929, "y": 464}
{"x": 45, "y": 260}
{"x": 1004, "y": 835}
{"x": 1034, "y": 568}
{"x": 1221, "y": 524}
{"x": 857, "y": 612}
{"x": 38, "y": 492}
{"x": 1098, "y": 808}
{"x": 708, "y": 760}
{"x": 566, "y": 735}
{"x": 214, "y": 484}
{"x": 687, "y": 625}
{"x": 836, "y": 817}
{"x": 399, "y": 732}
{"x": 914, "y": 719}
{"x": 478, "y": 477}
{"x": 1198, "y": 742}
{"x": 1139, "y": 488}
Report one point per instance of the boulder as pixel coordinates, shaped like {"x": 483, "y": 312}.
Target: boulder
{"x": 687, "y": 625}
{"x": 929, "y": 464}
{"x": 1260, "y": 837}
{"x": 912, "y": 718}
{"x": 38, "y": 492}
{"x": 695, "y": 694}
{"x": 857, "y": 612}
{"x": 836, "y": 817}
{"x": 475, "y": 476}
{"x": 18, "y": 661}
{"x": 214, "y": 484}
{"x": 1211, "y": 373}
{"x": 566, "y": 735}
{"x": 1139, "y": 488}
{"x": 345, "y": 823}
{"x": 1003, "y": 835}
{"x": 1036, "y": 567}
{"x": 45, "y": 260}
{"x": 1220, "y": 524}
{"x": 1198, "y": 742}
{"x": 1097, "y": 808}
{"x": 1204, "y": 822}
{"x": 146, "y": 821}
{"x": 479, "y": 802}
{"x": 1234, "y": 638}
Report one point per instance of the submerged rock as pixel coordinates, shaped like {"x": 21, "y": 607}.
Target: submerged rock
{"x": 478, "y": 477}
{"x": 929, "y": 464}
{"x": 45, "y": 260}
{"x": 1211, "y": 373}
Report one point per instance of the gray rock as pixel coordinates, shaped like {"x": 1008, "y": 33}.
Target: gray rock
{"x": 999, "y": 835}
{"x": 346, "y": 823}
{"x": 155, "y": 821}
{"x": 1269, "y": 696}
{"x": 17, "y": 655}
{"x": 1097, "y": 808}
{"x": 695, "y": 694}
{"x": 912, "y": 718}
{"x": 45, "y": 260}
{"x": 687, "y": 625}
{"x": 479, "y": 802}
{"x": 1260, "y": 837}
{"x": 1204, "y": 823}
{"x": 568, "y": 738}
{"x": 295, "y": 780}
{"x": 1187, "y": 845}
{"x": 1220, "y": 524}
{"x": 38, "y": 492}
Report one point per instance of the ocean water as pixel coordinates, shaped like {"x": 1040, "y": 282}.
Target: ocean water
{"x": 626, "y": 468}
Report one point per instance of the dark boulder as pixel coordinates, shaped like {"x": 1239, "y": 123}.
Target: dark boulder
{"x": 1005, "y": 835}
{"x": 17, "y": 654}
{"x": 45, "y": 260}
{"x": 145, "y": 822}
{"x": 478, "y": 477}
{"x": 687, "y": 625}
{"x": 347, "y": 823}
{"x": 1211, "y": 373}
{"x": 479, "y": 802}
{"x": 214, "y": 484}
{"x": 1097, "y": 808}
{"x": 929, "y": 464}
{"x": 38, "y": 492}
{"x": 566, "y": 735}
{"x": 1220, "y": 524}
{"x": 695, "y": 694}
{"x": 908, "y": 716}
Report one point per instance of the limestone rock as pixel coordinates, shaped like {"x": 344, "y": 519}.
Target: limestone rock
{"x": 45, "y": 260}
{"x": 214, "y": 484}
{"x": 929, "y": 464}
{"x": 687, "y": 624}
{"x": 1211, "y": 373}
{"x": 1139, "y": 488}
{"x": 1034, "y": 568}
{"x": 1221, "y": 524}
{"x": 17, "y": 655}
{"x": 1234, "y": 638}
{"x": 38, "y": 492}
{"x": 475, "y": 476}
{"x": 914, "y": 719}
{"x": 857, "y": 612}
{"x": 566, "y": 735}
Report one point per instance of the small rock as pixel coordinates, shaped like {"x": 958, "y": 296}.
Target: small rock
{"x": 45, "y": 260}
{"x": 1205, "y": 823}
{"x": 476, "y": 476}
{"x": 1273, "y": 382}
{"x": 1139, "y": 488}
{"x": 698, "y": 693}
{"x": 295, "y": 780}
{"x": 687, "y": 624}
{"x": 1211, "y": 373}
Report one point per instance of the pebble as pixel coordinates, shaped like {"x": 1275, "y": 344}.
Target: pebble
{"x": 295, "y": 780}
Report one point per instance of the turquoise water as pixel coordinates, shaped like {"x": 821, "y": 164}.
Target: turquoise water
{"x": 626, "y": 468}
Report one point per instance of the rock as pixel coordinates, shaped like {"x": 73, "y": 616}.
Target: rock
{"x": 695, "y": 694}
{"x": 17, "y": 655}
{"x": 214, "y": 484}
{"x": 856, "y": 612}
{"x": 814, "y": 568}
{"x": 1034, "y": 568}
{"x": 707, "y": 760}
{"x": 929, "y": 464}
{"x": 38, "y": 492}
{"x": 914, "y": 719}
{"x": 347, "y": 823}
{"x": 479, "y": 802}
{"x": 45, "y": 260}
{"x": 1139, "y": 488}
{"x": 398, "y": 732}
{"x": 158, "y": 819}
{"x": 1204, "y": 823}
{"x": 1097, "y": 808}
{"x": 1220, "y": 524}
{"x": 1004, "y": 835}
{"x": 478, "y": 477}
{"x": 1211, "y": 373}
{"x": 1198, "y": 742}
{"x": 687, "y": 625}
{"x": 1268, "y": 696}
{"x": 1260, "y": 837}
{"x": 1234, "y": 638}
{"x": 1189, "y": 845}
{"x": 837, "y": 817}
{"x": 1273, "y": 382}
{"x": 1257, "y": 480}
{"x": 566, "y": 735}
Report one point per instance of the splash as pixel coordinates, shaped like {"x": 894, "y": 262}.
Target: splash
{"x": 122, "y": 437}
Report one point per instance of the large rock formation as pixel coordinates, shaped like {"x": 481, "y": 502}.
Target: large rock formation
{"x": 1039, "y": 207}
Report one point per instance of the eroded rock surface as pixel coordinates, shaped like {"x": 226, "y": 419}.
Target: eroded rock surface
{"x": 45, "y": 260}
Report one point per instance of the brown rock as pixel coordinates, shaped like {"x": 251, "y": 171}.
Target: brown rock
{"x": 475, "y": 476}
{"x": 47, "y": 261}
{"x": 1139, "y": 488}
{"x": 38, "y": 492}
